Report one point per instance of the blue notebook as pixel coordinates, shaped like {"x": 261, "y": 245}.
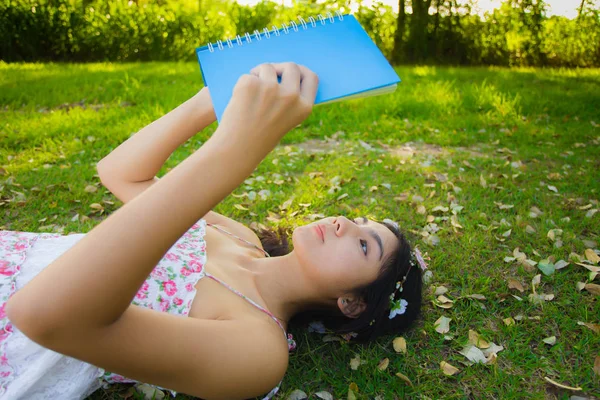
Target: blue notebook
{"x": 336, "y": 48}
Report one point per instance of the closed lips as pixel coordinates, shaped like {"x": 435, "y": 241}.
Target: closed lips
{"x": 320, "y": 232}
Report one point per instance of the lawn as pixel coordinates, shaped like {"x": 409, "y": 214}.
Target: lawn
{"x": 492, "y": 172}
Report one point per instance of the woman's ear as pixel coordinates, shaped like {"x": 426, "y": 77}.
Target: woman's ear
{"x": 351, "y": 307}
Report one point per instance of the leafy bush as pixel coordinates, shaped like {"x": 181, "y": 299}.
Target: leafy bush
{"x": 141, "y": 30}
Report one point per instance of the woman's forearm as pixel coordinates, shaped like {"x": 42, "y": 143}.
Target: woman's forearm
{"x": 94, "y": 282}
{"x": 141, "y": 156}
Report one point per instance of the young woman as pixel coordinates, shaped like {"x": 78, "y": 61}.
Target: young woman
{"x": 126, "y": 302}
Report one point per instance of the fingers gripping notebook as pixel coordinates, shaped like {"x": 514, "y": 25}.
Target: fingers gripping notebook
{"x": 348, "y": 63}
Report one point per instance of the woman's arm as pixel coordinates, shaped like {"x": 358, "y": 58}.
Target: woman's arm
{"x": 141, "y": 156}
{"x": 91, "y": 285}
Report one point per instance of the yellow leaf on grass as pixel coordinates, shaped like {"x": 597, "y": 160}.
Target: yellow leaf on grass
{"x": 592, "y": 256}
{"x": 597, "y": 365}
{"x": 404, "y": 378}
{"x": 475, "y": 340}
{"x": 448, "y": 369}
{"x": 383, "y": 364}
{"x": 240, "y": 207}
{"x": 399, "y": 344}
{"x": 443, "y": 299}
{"x": 509, "y": 321}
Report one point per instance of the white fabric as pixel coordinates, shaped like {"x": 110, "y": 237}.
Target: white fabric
{"x": 40, "y": 373}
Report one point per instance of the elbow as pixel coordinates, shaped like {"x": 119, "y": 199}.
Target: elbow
{"x": 18, "y": 318}
{"x": 26, "y": 320}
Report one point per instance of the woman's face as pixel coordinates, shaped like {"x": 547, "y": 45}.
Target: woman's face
{"x": 348, "y": 253}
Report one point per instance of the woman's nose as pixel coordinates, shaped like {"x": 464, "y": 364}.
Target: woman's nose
{"x": 341, "y": 225}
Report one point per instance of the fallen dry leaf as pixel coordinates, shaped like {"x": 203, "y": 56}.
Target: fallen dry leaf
{"x": 454, "y": 222}
{"x": 297, "y": 395}
{"x": 353, "y": 386}
{"x": 482, "y": 181}
{"x": 324, "y": 395}
{"x": 592, "y": 256}
{"x": 473, "y": 354}
{"x": 286, "y": 204}
{"x": 475, "y": 296}
{"x": 356, "y": 362}
{"x": 493, "y": 349}
{"x": 440, "y": 290}
{"x": 442, "y": 325}
{"x": 560, "y": 264}
{"x": 540, "y": 298}
{"x": 383, "y": 364}
{"x": 580, "y": 286}
{"x": 560, "y": 385}
{"x": 551, "y": 340}
{"x": 594, "y": 327}
{"x": 509, "y": 321}
{"x": 597, "y": 365}
{"x": 476, "y": 340}
{"x": 593, "y": 288}
{"x": 517, "y": 254}
{"x": 399, "y": 344}
{"x": 589, "y": 267}
{"x": 535, "y": 212}
{"x": 515, "y": 284}
{"x": 404, "y": 378}
{"x": 351, "y": 395}
{"x": 448, "y": 369}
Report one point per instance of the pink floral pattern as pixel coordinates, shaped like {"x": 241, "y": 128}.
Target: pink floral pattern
{"x": 170, "y": 287}
{"x": 13, "y": 249}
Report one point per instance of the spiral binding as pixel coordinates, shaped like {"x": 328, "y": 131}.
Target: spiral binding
{"x": 274, "y": 31}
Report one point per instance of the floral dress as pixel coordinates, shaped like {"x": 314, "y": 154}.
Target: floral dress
{"x": 30, "y": 371}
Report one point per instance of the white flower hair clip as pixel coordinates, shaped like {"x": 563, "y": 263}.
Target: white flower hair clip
{"x": 398, "y": 307}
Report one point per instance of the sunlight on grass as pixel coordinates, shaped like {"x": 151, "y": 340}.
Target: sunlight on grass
{"x": 459, "y": 157}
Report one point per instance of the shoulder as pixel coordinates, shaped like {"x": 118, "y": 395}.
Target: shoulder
{"x": 233, "y": 226}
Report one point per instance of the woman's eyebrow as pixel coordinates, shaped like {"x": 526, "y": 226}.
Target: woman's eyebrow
{"x": 375, "y": 236}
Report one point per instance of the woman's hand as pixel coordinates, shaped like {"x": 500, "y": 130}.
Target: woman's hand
{"x": 262, "y": 110}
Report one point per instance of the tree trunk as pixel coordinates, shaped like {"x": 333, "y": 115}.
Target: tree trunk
{"x": 398, "y": 51}
{"x": 436, "y": 25}
{"x": 417, "y": 44}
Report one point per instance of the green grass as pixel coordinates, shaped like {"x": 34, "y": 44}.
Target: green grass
{"x": 518, "y": 130}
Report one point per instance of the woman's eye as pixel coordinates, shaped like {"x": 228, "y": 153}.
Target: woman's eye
{"x": 365, "y": 248}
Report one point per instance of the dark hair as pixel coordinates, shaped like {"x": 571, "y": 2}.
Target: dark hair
{"x": 376, "y": 294}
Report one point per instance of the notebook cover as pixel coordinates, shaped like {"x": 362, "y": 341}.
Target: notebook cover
{"x": 341, "y": 53}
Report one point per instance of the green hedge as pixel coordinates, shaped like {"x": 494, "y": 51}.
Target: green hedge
{"x": 121, "y": 30}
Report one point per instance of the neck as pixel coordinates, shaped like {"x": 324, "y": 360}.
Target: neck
{"x": 283, "y": 287}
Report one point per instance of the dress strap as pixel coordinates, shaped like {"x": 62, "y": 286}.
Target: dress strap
{"x": 288, "y": 337}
